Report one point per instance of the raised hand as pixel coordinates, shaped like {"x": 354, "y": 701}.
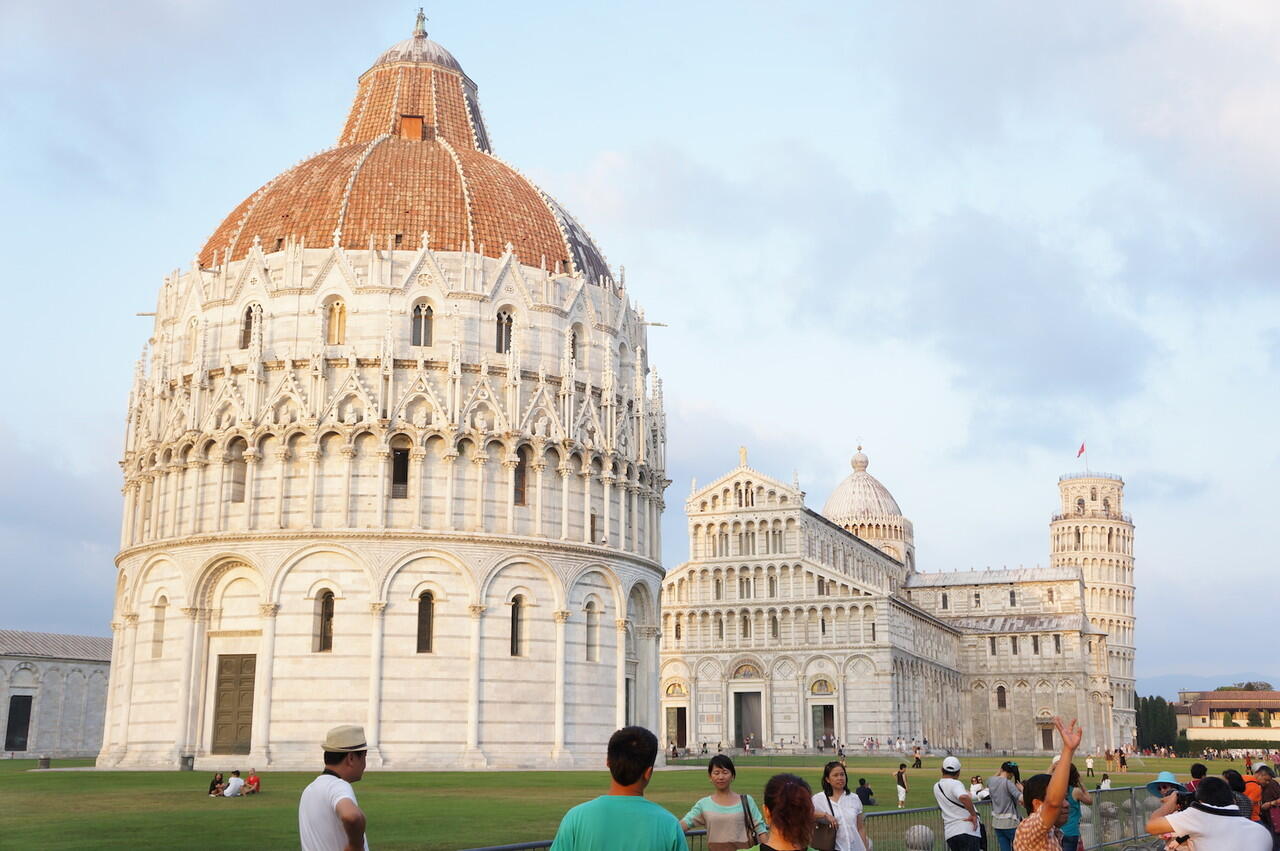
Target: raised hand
{"x": 1071, "y": 733}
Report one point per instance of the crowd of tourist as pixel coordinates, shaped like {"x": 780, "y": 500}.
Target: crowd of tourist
{"x": 235, "y": 786}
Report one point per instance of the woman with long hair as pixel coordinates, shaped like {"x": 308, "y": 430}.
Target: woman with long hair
{"x": 216, "y": 785}
{"x": 788, "y": 808}
{"x": 732, "y": 820}
{"x": 834, "y": 805}
{"x": 1076, "y": 795}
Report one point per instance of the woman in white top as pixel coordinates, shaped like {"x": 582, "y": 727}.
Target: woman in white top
{"x": 837, "y": 806}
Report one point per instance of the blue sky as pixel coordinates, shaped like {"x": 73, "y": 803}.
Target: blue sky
{"x": 968, "y": 235}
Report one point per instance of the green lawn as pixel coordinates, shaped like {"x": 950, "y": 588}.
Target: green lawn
{"x": 437, "y": 810}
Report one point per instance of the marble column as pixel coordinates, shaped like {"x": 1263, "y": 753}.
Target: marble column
{"x": 260, "y": 750}
{"x": 418, "y": 489}
{"x": 348, "y": 452}
{"x": 282, "y": 460}
{"x": 175, "y": 475}
{"x": 313, "y": 481}
{"x": 251, "y": 459}
{"x": 480, "y": 460}
{"x": 607, "y": 481}
{"x": 474, "y": 757}
{"x": 128, "y": 647}
{"x": 538, "y": 469}
{"x": 562, "y": 618}
{"x": 220, "y": 499}
{"x": 510, "y": 466}
{"x": 620, "y": 674}
{"x": 586, "y": 504}
{"x": 181, "y": 742}
{"x": 449, "y": 459}
{"x": 373, "y": 730}
{"x": 564, "y": 472}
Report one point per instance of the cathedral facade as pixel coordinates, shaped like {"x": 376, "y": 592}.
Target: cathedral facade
{"x": 791, "y": 628}
{"x": 394, "y": 457}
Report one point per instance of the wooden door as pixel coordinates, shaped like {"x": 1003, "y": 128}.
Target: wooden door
{"x": 233, "y": 704}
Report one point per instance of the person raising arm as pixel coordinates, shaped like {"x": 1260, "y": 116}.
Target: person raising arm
{"x": 1045, "y": 796}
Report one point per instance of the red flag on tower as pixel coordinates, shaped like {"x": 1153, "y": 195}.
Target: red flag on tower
{"x": 1081, "y": 452}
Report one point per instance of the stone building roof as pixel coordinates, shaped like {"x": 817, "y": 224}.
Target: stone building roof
{"x": 1235, "y": 700}
{"x": 413, "y": 158}
{"x": 995, "y": 577}
{"x": 1024, "y": 623}
{"x": 50, "y": 645}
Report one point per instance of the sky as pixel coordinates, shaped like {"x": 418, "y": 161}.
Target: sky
{"x": 967, "y": 236}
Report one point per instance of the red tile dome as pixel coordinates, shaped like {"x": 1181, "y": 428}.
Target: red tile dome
{"x": 413, "y": 157}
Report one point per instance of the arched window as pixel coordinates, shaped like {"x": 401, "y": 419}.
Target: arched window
{"x": 575, "y": 344}
{"x": 322, "y": 637}
{"x": 1077, "y": 538}
{"x": 335, "y": 323}
{"x": 157, "y": 628}
{"x": 744, "y": 588}
{"x": 1001, "y": 698}
{"x": 1013, "y": 598}
{"x": 1013, "y": 644}
{"x": 746, "y": 626}
{"x": 720, "y": 629}
{"x": 251, "y": 320}
{"x": 420, "y": 334}
{"x": 593, "y": 632}
{"x": 773, "y": 626}
{"x": 517, "y": 625}
{"x": 1106, "y": 504}
{"x": 822, "y": 625}
{"x": 822, "y": 586}
{"x": 719, "y": 589}
{"x": 992, "y": 639}
{"x": 1093, "y": 494}
{"x": 426, "y": 621}
{"x": 1080, "y": 505}
{"x": 238, "y": 471}
{"x": 519, "y": 481}
{"x": 945, "y": 599}
{"x": 400, "y": 467}
{"x": 677, "y": 630}
{"x": 773, "y": 586}
{"x": 502, "y": 341}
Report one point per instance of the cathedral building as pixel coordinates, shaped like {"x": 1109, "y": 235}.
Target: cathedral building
{"x": 790, "y": 627}
{"x": 394, "y": 456}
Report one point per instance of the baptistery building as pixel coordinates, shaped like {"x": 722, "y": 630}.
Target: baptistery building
{"x": 794, "y": 628}
{"x": 394, "y": 457}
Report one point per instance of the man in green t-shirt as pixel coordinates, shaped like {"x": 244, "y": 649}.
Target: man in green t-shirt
{"x": 622, "y": 819}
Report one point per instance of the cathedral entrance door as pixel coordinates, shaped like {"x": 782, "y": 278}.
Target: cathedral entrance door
{"x": 824, "y": 724}
{"x": 676, "y": 729}
{"x": 1046, "y": 738}
{"x": 233, "y": 704}
{"x": 746, "y": 718}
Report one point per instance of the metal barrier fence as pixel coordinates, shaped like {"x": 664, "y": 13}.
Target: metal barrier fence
{"x": 1117, "y": 818}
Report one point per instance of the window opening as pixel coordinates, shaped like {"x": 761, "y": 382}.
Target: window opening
{"x": 335, "y": 333}
{"x": 323, "y": 639}
{"x": 517, "y": 625}
{"x": 400, "y": 473}
{"x": 420, "y": 332}
{"x": 1001, "y": 698}
{"x": 502, "y": 343}
{"x": 426, "y": 621}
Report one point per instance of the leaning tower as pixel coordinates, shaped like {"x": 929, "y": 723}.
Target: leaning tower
{"x": 1093, "y": 532}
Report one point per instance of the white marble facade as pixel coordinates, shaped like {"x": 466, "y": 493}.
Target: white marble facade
{"x": 412, "y": 488}
{"x": 789, "y": 626}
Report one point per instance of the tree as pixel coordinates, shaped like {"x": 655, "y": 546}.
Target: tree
{"x": 1157, "y": 722}
{"x": 1251, "y": 685}
{"x": 1255, "y": 718}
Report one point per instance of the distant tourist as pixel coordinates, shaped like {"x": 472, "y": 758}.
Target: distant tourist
{"x": 864, "y": 793}
{"x": 1213, "y": 822}
{"x": 216, "y": 785}
{"x": 329, "y": 818}
{"x": 1045, "y": 797}
{"x": 915, "y": 752}
{"x": 1006, "y": 794}
{"x": 253, "y": 785}
{"x": 788, "y": 809}
{"x": 234, "y": 785}
{"x": 842, "y": 810}
{"x": 1106, "y": 782}
{"x": 900, "y": 780}
{"x": 622, "y": 817}
{"x": 1124, "y": 762}
{"x": 960, "y": 823}
{"x": 732, "y": 820}
{"x": 1088, "y": 766}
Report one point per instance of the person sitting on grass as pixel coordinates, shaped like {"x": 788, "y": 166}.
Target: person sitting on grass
{"x": 864, "y": 793}
{"x": 234, "y": 785}
{"x": 216, "y": 785}
{"x": 1045, "y": 797}
{"x": 788, "y": 810}
{"x": 253, "y": 785}
{"x": 623, "y": 817}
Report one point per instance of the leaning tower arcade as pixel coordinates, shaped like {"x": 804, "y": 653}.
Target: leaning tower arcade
{"x": 1093, "y": 531}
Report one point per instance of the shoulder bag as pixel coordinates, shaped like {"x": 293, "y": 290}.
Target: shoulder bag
{"x": 1005, "y": 820}
{"x": 824, "y": 833}
{"x": 982, "y": 828}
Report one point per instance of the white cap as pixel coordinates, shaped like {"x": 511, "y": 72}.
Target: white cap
{"x": 950, "y": 764}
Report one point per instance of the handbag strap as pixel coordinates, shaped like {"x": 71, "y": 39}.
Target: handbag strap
{"x": 747, "y": 818}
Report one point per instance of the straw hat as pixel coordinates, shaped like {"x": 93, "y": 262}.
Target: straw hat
{"x": 345, "y": 739}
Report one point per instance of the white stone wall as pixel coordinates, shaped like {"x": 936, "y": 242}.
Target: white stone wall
{"x": 260, "y": 473}
{"x": 68, "y": 702}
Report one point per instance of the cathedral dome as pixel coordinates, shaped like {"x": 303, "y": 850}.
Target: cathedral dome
{"x": 860, "y": 496}
{"x": 413, "y": 159}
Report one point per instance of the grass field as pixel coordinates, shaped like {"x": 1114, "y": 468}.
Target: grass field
{"x": 432, "y": 810}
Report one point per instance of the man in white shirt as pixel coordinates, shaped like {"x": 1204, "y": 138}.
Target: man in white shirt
{"x": 234, "y": 785}
{"x": 1213, "y": 822}
{"x": 959, "y": 818}
{"x": 329, "y": 819}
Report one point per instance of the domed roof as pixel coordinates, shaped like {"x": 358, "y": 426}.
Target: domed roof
{"x": 860, "y": 497}
{"x": 413, "y": 157}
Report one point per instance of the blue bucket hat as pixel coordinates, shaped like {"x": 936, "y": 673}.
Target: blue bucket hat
{"x": 1165, "y": 778}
